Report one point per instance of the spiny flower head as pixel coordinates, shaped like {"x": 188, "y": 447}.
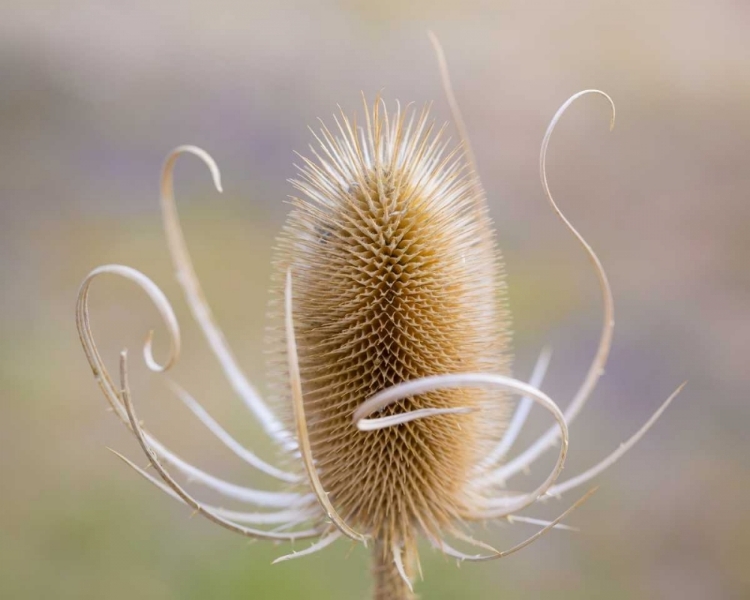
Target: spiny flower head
{"x": 396, "y": 277}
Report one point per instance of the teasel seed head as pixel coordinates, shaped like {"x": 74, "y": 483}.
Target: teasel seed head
{"x": 397, "y": 276}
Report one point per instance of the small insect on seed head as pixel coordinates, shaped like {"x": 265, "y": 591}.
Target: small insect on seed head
{"x": 389, "y": 344}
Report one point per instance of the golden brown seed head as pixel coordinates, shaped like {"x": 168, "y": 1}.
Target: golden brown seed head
{"x": 396, "y": 276}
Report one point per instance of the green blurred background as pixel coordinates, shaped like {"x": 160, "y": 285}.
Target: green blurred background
{"x": 93, "y": 95}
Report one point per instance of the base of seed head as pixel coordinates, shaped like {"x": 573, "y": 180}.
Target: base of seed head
{"x": 390, "y": 354}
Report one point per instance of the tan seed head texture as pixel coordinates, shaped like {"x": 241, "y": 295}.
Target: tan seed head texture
{"x": 389, "y": 355}
{"x": 396, "y": 277}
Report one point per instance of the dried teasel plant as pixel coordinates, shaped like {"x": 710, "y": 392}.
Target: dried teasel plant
{"x": 390, "y": 355}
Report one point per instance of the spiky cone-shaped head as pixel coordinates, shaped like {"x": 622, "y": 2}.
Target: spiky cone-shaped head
{"x": 396, "y": 276}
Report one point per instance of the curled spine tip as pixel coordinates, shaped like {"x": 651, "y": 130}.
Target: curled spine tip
{"x": 158, "y": 299}
{"x": 168, "y": 168}
{"x": 553, "y": 123}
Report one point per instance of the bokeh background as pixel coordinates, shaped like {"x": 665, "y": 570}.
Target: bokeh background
{"x": 93, "y": 95}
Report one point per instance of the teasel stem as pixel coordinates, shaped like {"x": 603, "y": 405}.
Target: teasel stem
{"x": 389, "y": 583}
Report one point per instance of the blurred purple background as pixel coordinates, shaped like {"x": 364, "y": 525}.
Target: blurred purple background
{"x": 92, "y": 97}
